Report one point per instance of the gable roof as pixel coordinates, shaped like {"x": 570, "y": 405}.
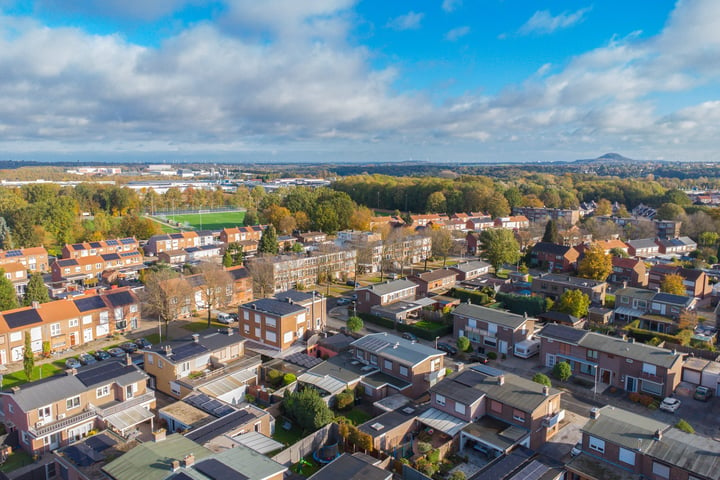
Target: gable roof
{"x": 500, "y": 317}
{"x": 470, "y": 266}
{"x": 551, "y": 248}
{"x": 562, "y": 333}
{"x": 392, "y": 346}
{"x": 381, "y": 289}
{"x": 643, "y": 243}
{"x": 629, "y": 349}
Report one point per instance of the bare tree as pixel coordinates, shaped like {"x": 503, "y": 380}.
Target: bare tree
{"x": 262, "y": 272}
{"x": 442, "y": 243}
{"x": 216, "y": 289}
{"x": 166, "y": 295}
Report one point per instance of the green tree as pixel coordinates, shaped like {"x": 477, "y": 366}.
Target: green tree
{"x": 513, "y": 197}
{"x": 236, "y": 253}
{"x": 551, "y": 234}
{"x": 269, "y": 241}
{"x": 289, "y": 378}
{"x": 8, "y": 296}
{"x": 436, "y": 203}
{"x": 251, "y": 217}
{"x": 669, "y": 211}
{"x": 706, "y": 239}
{"x": 28, "y": 357}
{"x": 596, "y": 264}
{"x": 618, "y": 252}
{"x": 463, "y": 343}
{"x": 673, "y": 283}
{"x": 562, "y": 371}
{"x": 499, "y": 246}
{"x": 345, "y": 399}
{"x": 308, "y": 409}
{"x": 457, "y": 475}
{"x": 36, "y": 291}
{"x": 573, "y": 302}
{"x": 604, "y": 207}
{"x": 6, "y": 242}
{"x": 355, "y": 324}
{"x": 542, "y": 379}
{"x": 227, "y": 259}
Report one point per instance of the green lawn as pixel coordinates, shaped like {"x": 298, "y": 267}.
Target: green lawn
{"x": 287, "y": 437}
{"x": 40, "y": 371}
{"x": 307, "y": 469}
{"x": 209, "y": 221}
{"x": 200, "y": 325}
{"x": 357, "y": 416}
{"x": 16, "y": 460}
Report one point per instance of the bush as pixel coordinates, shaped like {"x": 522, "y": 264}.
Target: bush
{"x": 492, "y": 355}
{"x": 463, "y": 343}
{"x": 355, "y": 324}
{"x": 542, "y": 379}
{"x": 521, "y": 304}
{"x": 562, "y": 371}
{"x": 433, "y": 455}
{"x": 344, "y": 400}
{"x": 457, "y": 475}
{"x": 425, "y": 467}
{"x": 289, "y": 378}
{"x": 424, "y": 447}
{"x": 274, "y": 377}
{"x": 476, "y": 298}
{"x": 684, "y": 426}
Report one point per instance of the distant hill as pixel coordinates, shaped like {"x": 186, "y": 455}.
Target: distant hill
{"x": 605, "y": 159}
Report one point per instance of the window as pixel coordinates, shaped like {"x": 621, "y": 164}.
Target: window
{"x": 662, "y": 471}
{"x": 258, "y": 334}
{"x": 403, "y": 371}
{"x": 373, "y": 359}
{"x": 518, "y": 415}
{"x": 270, "y": 336}
{"x": 627, "y": 456}
{"x": 246, "y": 328}
{"x": 439, "y": 399}
{"x": 587, "y": 369}
{"x": 71, "y": 403}
{"x": 496, "y": 406}
{"x": 160, "y": 363}
{"x": 648, "y": 368}
{"x": 118, "y": 313}
{"x": 54, "y": 329}
{"x": 73, "y": 322}
{"x": 133, "y": 308}
{"x": 16, "y": 336}
{"x": 287, "y": 337}
{"x": 592, "y": 354}
{"x": 87, "y": 319}
{"x": 151, "y": 359}
{"x": 460, "y": 408}
{"x": 490, "y": 341}
{"x": 270, "y": 322}
{"x": 175, "y": 388}
{"x": 103, "y": 391}
{"x": 104, "y": 316}
{"x": 597, "y": 444}
{"x": 387, "y": 364}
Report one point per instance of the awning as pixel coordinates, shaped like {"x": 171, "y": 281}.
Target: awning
{"x": 442, "y": 421}
{"x": 129, "y": 417}
{"x": 628, "y": 312}
{"x": 258, "y": 442}
{"x": 325, "y": 383}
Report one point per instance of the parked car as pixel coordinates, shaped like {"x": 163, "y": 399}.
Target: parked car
{"x": 576, "y": 450}
{"x": 478, "y": 358}
{"x": 343, "y": 301}
{"x": 352, "y": 283}
{"x": 234, "y": 316}
{"x": 143, "y": 344}
{"x": 116, "y": 352}
{"x": 670, "y": 404}
{"x": 225, "y": 318}
{"x": 72, "y": 362}
{"x": 447, "y": 348}
{"x": 409, "y": 336}
{"x": 101, "y": 355}
{"x": 703, "y": 394}
{"x": 128, "y": 347}
{"x": 86, "y": 359}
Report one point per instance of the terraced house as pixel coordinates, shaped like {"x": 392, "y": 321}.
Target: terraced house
{"x": 169, "y": 242}
{"x": 88, "y": 270}
{"x": 489, "y": 329}
{"x": 89, "y": 249}
{"x": 34, "y": 259}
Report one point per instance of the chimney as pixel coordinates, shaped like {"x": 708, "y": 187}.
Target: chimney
{"x": 546, "y": 390}
{"x": 168, "y": 350}
{"x": 71, "y": 372}
{"x": 196, "y": 338}
{"x": 175, "y": 465}
{"x": 35, "y": 304}
{"x": 159, "y": 436}
{"x": 189, "y": 460}
{"x": 594, "y": 413}
{"x": 15, "y": 389}
{"x": 501, "y": 380}
{"x": 625, "y": 284}
{"x": 658, "y": 434}
{"x": 128, "y": 359}
{"x": 230, "y": 331}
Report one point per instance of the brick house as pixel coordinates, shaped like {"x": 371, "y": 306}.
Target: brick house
{"x": 553, "y": 285}
{"x": 242, "y": 285}
{"x": 385, "y": 294}
{"x": 89, "y": 249}
{"x": 171, "y": 242}
{"x": 628, "y": 271}
{"x": 440, "y": 280}
{"x": 643, "y": 248}
{"x": 676, "y": 246}
{"x": 611, "y": 361}
{"x": 697, "y": 283}
{"x": 478, "y": 224}
{"x": 241, "y": 234}
{"x": 491, "y": 330}
{"x": 17, "y": 274}
{"x": 554, "y": 257}
{"x": 488, "y": 402}
{"x": 423, "y": 220}
{"x": 309, "y": 238}
{"x": 34, "y": 259}
{"x": 540, "y": 214}
{"x": 56, "y": 411}
{"x": 617, "y": 443}
{"x": 87, "y": 270}
{"x": 470, "y": 270}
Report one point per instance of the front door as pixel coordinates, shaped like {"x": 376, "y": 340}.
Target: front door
{"x": 550, "y": 360}
{"x": 73, "y": 339}
{"x": 631, "y": 384}
{"x": 503, "y": 347}
{"x": 605, "y": 376}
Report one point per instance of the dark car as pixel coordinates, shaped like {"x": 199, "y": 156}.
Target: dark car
{"x": 143, "y": 344}
{"x": 702, "y": 393}
{"x": 409, "y": 336}
{"x": 478, "y": 358}
{"x": 128, "y": 347}
{"x": 72, "y": 362}
{"x": 116, "y": 352}
{"x": 86, "y": 359}
{"x": 447, "y": 348}
{"x": 101, "y": 355}
{"x": 343, "y": 301}
{"x": 234, "y": 316}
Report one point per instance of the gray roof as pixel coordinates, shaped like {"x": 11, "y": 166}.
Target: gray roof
{"x": 636, "y": 351}
{"x": 624, "y": 428}
{"x": 563, "y": 333}
{"x": 643, "y": 243}
{"x": 461, "y": 393}
{"x": 391, "y": 346}
{"x": 635, "y": 293}
{"x": 342, "y": 367}
{"x": 296, "y": 296}
{"x": 470, "y": 266}
{"x": 350, "y": 467}
{"x": 274, "y": 307}
{"x": 436, "y": 274}
{"x": 389, "y": 287}
{"x": 385, "y": 422}
{"x": 697, "y": 454}
{"x": 673, "y": 299}
{"x": 569, "y": 280}
{"x": 506, "y": 319}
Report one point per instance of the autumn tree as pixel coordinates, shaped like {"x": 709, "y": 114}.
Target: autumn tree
{"x": 36, "y": 291}
{"x": 436, "y": 203}
{"x": 596, "y": 264}
{"x": 499, "y": 247}
{"x": 28, "y": 357}
{"x": 216, "y": 288}
{"x": 673, "y": 284}
{"x": 8, "y": 295}
{"x": 442, "y": 243}
{"x": 573, "y": 302}
{"x": 269, "y": 241}
{"x": 262, "y": 272}
{"x": 166, "y": 295}
{"x": 604, "y": 207}
{"x": 360, "y": 219}
{"x": 551, "y": 232}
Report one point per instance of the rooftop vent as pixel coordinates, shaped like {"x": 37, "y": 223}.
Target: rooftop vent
{"x": 377, "y": 426}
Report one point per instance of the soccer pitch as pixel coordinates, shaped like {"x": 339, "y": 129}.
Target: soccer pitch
{"x": 210, "y": 220}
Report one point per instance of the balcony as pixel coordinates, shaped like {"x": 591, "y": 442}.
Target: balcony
{"x": 63, "y": 423}
{"x": 552, "y": 420}
{"x": 104, "y": 412}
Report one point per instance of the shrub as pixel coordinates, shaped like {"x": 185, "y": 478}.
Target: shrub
{"x": 684, "y": 426}
{"x": 344, "y": 400}
{"x": 249, "y": 398}
{"x": 274, "y": 377}
{"x": 457, "y": 475}
{"x": 289, "y": 378}
{"x": 463, "y": 343}
{"x": 521, "y": 304}
{"x": 542, "y": 379}
{"x": 492, "y": 355}
{"x": 425, "y": 467}
{"x": 424, "y": 447}
{"x": 433, "y": 455}
{"x": 562, "y": 371}
{"x": 354, "y": 324}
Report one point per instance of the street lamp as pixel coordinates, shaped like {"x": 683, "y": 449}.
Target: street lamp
{"x": 436, "y": 340}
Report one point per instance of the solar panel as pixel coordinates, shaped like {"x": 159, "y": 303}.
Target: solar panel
{"x": 13, "y": 253}
{"x": 112, "y": 243}
{"x": 176, "y": 235}
{"x": 78, "y": 246}
{"x": 181, "y": 476}
{"x": 22, "y": 318}
{"x": 224, "y": 410}
{"x": 197, "y": 400}
{"x": 89, "y": 303}
{"x": 110, "y": 256}
{"x": 217, "y": 470}
{"x": 120, "y": 299}
{"x": 127, "y": 241}
{"x": 95, "y": 244}
{"x": 212, "y": 405}
{"x": 103, "y": 372}
{"x": 100, "y": 442}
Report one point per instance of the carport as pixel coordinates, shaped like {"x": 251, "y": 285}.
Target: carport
{"x": 493, "y": 437}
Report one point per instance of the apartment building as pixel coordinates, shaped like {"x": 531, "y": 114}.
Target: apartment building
{"x": 516, "y": 222}
{"x": 87, "y": 270}
{"x": 311, "y": 238}
{"x": 554, "y": 257}
{"x": 435, "y": 281}
{"x": 612, "y": 361}
{"x": 180, "y": 367}
{"x": 628, "y": 271}
{"x": 56, "y": 411}
{"x": 553, "y": 285}
{"x": 304, "y": 269}
{"x": 385, "y": 294}
{"x": 542, "y": 214}
{"x": 402, "y": 366}
{"x": 407, "y": 250}
{"x": 676, "y": 246}
{"x": 34, "y": 259}
{"x": 68, "y": 322}
{"x": 470, "y": 270}
{"x": 617, "y": 443}
{"x": 169, "y": 242}
{"x": 481, "y": 405}
{"x": 696, "y": 282}
{"x": 91, "y": 249}
{"x": 281, "y": 321}
{"x": 489, "y": 329}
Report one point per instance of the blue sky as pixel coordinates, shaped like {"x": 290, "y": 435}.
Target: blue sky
{"x": 347, "y": 80}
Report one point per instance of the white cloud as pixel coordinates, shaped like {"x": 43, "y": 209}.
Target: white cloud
{"x": 409, "y": 21}
{"x": 457, "y": 33}
{"x": 543, "y": 22}
{"x": 451, "y": 5}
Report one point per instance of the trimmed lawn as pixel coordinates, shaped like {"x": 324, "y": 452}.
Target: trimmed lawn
{"x": 307, "y": 469}
{"x": 200, "y": 325}
{"x": 40, "y": 371}
{"x": 287, "y": 437}
{"x": 15, "y": 460}
{"x": 210, "y": 221}
{"x": 357, "y": 416}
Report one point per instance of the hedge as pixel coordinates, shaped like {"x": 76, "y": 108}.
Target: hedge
{"x": 646, "y": 336}
{"x": 433, "y": 329}
{"x": 521, "y": 304}
{"x": 477, "y": 298}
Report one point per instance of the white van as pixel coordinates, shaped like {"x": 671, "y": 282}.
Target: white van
{"x": 526, "y": 348}
{"x": 225, "y": 318}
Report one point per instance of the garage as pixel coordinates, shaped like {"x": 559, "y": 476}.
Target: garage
{"x": 711, "y": 377}
{"x": 692, "y": 370}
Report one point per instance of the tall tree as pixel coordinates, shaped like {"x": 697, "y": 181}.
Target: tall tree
{"x": 237, "y": 255}
{"x": 36, "y": 291}
{"x": 8, "y": 295}
{"x": 6, "y": 242}
{"x": 227, "y": 259}
{"x": 262, "y": 272}
{"x": 269, "y": 241}
{"x": 596, "y": 264}
{"x": 551, "y": 232}
{"x": 216, "y": 290}
{"x": 573, "y": 302}
{"x": 673, "y": 283}
{"x": 499, "y": 246}
{"x": 604, "y": 207}
{"x": 167, "y": 295}
{"x": 28, "y": 357}
{"x": 442, "y": 243}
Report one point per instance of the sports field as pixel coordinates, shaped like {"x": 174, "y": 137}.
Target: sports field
{"x": 209, "y": 221}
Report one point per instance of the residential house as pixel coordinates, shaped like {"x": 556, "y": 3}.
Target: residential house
{"x": 553, "y": 285}
{"x": 554, "y": 257}
{"x": 516, "y": 222}
{"x": 171, "y": 242}
{"x": 478, "y": 224}
{"x": 203, "y": 252}
{"x": 697, "y": 283}
{"x": 657, "y": 311}
{"x": 311, "y": 238}
{"x": 17, "y": 274}
{"x": 174, "y": 257}
{"x": 643, "y": 248}
{"x": 470, "y": 270}
{"x": 401, "y": 366}
{"x": 242, "y": 234}
{"x": 58, "y": 410}
{"x": 472, "y": 240}
{"x": 489, "y": 329}
{"x": 612, "y": 361}
{"x": 206, "y": 237}
{"x": 435, "y": 281}
{"x": 357, "y": 466}
{"x": 628, "y": 271}
{"x": 424, "y": 219}
{"x": 542, "y": 214}
{"x": 494, "y": 411}
{"x": 189, "y": 364}
{"x": 677, "y": 246}
{"x": 90, "y": 249}
{"x": 88, "y": 270}
{"x": 286, "y": 242}
{"x": 242, "y": 285}
{"x": 34, "y": 259}
{"x": 617, "y": 443}
{"x": 392, "y": 221}
{"x": 384, "y": 294}
{"x": 68, "y": 322}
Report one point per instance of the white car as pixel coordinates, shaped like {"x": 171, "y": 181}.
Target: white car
{"x": 670, "y": 404}
{"x": 576, "y": 450}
